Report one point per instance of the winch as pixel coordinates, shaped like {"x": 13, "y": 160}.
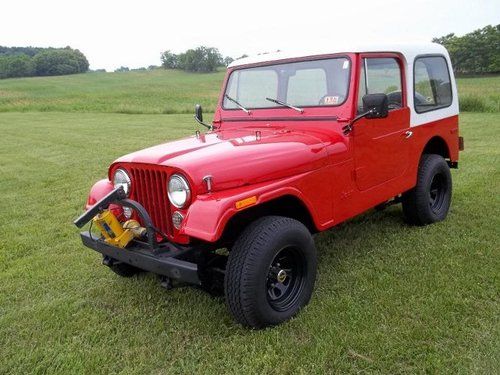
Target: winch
{"x": 113, "y": 231}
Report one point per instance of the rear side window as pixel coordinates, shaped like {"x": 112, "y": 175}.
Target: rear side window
{"x": 432, "y": 84}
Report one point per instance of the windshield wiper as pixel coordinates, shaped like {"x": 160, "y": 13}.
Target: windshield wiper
{"x": 237, "y": 104}
{"x": 285, "y": 104}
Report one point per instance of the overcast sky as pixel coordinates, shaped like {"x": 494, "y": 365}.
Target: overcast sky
{"x": 133, "y": 33}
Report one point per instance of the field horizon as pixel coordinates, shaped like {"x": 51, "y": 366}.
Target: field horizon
{"x": 163, "y": 91}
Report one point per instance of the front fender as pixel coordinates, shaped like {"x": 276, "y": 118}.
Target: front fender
{"x": 209, "y": 213}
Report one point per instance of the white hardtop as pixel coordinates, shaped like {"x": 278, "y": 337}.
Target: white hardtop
{"x": 408, "y": 50}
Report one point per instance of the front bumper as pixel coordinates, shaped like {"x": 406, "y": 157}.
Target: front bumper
{"x": 165, "y": 258}
{"x": 162, "y": 260}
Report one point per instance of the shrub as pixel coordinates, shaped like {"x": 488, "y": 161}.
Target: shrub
{"x": 54, "y": 62}
{"x": 474, "y": 103}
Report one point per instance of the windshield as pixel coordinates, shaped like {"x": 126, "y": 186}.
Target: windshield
{"x": 300, "y": 84}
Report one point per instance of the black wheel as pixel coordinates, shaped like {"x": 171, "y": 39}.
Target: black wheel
{"x": 429, "y": 201}
{"x": 270, "y": 272}
{"x": 121, "y": 269}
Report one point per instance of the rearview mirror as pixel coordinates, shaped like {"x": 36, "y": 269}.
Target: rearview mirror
{"x": 198, "y": 113}
{"x": 376, "y": 105}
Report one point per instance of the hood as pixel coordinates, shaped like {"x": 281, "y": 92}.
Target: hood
{"x": 237, "y": 157}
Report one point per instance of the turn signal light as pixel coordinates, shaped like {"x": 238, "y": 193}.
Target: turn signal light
{"x": 246, "y": 202}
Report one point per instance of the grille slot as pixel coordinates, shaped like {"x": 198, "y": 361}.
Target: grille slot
{"x": 149, "y": 188}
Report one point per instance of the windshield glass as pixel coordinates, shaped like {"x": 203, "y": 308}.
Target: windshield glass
{"x": 301, "y": 84}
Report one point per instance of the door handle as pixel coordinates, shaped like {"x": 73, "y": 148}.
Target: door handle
{"x": 408, "y": 134}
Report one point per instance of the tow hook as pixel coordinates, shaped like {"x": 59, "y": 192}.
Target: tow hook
{"x": 166, "y": 282}
{"x": 108, "y": 261}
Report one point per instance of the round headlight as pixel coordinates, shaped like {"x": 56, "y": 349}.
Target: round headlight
{"x": 121, "y": 178}
{"x": 178, "y": 191}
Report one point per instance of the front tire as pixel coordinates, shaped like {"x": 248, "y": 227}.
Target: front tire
{"x": 270, "y": 272}
{"x": 429, "y": 201}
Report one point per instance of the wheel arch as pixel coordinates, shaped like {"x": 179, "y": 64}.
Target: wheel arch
{"x": 437, "y": 145}
{"x": 287, "y": 205}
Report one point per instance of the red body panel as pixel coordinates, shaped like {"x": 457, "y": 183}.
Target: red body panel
{"x": 278, "y": 151}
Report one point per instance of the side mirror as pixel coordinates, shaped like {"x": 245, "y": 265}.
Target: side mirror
{"x": 376, "y": 105}
{"x": 198, "y": 116}
{"x": 198, "y": 113}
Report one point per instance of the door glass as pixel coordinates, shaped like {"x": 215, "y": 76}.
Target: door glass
{"x": 380, "y": 75}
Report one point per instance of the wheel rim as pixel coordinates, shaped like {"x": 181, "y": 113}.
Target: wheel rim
{"x": 437, "y": 192}
{"x": 285, "y": 279}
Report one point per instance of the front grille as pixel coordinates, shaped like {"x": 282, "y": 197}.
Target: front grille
{"x": 149, "y": 188}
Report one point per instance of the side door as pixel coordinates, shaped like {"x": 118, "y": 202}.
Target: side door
{"x": 381, "y": 146}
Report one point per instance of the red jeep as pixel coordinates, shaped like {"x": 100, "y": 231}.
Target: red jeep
{"x": 298, "y": 144}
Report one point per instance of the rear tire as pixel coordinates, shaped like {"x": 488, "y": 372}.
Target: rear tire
{"x": 270, "y": 272}
{"x": 429, "y": 201}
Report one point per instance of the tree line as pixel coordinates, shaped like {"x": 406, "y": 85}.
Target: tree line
{"x": 201, "y": 59}
{"x": 34, "y": 61}
{"x": 477, "y": 52}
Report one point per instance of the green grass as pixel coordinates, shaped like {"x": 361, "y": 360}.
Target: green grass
{"x": 158, "y": 91}
{"x": 389, "y": 298}
{"x": 479, "y": 94}
{"x": 165, "y": 91}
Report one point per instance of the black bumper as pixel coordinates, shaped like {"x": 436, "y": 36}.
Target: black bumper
{"x": 161, "y": 261}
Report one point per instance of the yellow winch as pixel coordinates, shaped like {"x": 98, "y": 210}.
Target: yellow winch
{"x": 113, "y": 231}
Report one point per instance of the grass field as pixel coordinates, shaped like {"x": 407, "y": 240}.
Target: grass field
{"x": 158, "y": 91}
{"x": 166, "y": 91}
{"x": 389, "y": 298}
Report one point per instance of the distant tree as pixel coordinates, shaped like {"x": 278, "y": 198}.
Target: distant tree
{"x": 29, "y": 51}
{"x": 242, "y": 57}
{"x": 82, "y": 60}
{"x": 169, "y": 60}
{"x": 153, "y": 67}
{"x": 99, "y": 70}
{"x": 228, "y": 60}
{"x": 122, "y": 69}
{"x": 28, "y": 61}
{"x": 201, "y": 59}
{"x": 16, "y": 66}
{"x": 477, "y": 52}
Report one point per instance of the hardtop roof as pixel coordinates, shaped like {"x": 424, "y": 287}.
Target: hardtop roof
{"x": 408, "y": 50}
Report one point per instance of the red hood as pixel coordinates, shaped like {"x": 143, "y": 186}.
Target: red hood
{"x": 236, "y": 157}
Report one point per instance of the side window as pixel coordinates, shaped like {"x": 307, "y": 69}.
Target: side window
{"x": 432, "y": 84}
{"x": 381, "y": 75}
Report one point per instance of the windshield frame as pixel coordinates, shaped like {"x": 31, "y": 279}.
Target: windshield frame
{"x": 284, "y": 62}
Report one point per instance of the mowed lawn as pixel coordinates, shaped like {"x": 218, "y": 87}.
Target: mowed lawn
{"x": 389, "y": 298}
